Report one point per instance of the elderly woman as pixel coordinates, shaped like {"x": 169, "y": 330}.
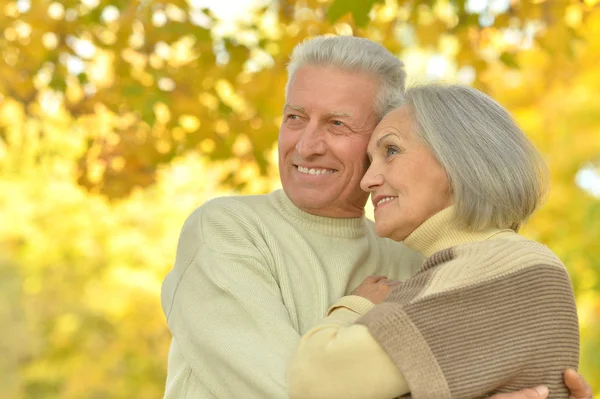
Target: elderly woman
{"x": 453, "y": 177}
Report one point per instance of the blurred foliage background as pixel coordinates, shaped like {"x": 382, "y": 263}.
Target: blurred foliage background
{"x": 119, "y": 117}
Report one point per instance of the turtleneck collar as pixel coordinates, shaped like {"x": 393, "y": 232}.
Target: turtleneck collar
{"x": 439, "y": 232}
{"x": 337, "y": 227}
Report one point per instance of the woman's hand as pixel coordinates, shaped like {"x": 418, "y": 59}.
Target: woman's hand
{"x": 375, "y": 288}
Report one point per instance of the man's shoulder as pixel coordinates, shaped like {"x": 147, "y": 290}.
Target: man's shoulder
{"x": 236, "y": 206}
{"x": 233, "y": 201}
{"x": 404, "y": 260}
{"x": 235, "y": 215}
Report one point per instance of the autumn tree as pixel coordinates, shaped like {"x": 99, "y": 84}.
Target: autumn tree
{"x": 117, "y": 118}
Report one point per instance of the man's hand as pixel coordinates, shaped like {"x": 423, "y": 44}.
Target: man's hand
{"x": 539, "y": 392}
{"x": 375, "y": 288}
{"x": 578, "y": 389}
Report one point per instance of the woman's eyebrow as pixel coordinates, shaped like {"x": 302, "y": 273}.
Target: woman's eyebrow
{"x": 379, "y": 140}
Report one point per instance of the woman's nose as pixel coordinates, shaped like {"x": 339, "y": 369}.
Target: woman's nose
{"x": 371, "y": 180}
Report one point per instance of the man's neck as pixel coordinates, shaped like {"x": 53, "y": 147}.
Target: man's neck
{"x": 341, "y": 213}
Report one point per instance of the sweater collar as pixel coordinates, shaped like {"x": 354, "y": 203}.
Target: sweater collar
{"x": 337, "y": 227}
{"x": 440, "y": 232}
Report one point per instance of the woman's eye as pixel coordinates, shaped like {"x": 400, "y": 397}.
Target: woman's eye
{"x": 391, "y": 150}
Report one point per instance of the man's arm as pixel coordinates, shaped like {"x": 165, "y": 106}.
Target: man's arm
{"x": 338, "y": 358}
{"x": 578, "y": 389}
{"x": 231, "y": 330}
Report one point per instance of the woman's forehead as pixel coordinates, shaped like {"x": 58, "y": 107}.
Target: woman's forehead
{"x": 399, "y": 121}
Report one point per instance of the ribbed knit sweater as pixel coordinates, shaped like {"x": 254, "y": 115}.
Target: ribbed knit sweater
{"x": 252, "y": 274}
{"x": 487, "y": 312}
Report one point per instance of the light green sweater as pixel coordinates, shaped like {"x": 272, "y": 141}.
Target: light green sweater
{"x": 252, "y": 274}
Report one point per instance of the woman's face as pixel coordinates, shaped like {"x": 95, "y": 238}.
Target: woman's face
{"x": 407, "y": 183}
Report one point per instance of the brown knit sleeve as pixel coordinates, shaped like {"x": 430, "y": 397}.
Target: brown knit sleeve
{"x": 511, "y": 332}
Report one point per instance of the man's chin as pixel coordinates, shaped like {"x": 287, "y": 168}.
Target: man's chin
{"x": 310, "y": 198}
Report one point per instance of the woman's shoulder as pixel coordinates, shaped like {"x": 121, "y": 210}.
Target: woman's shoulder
{"x": 480, "y": 262}
{"x": 514, "y": 251}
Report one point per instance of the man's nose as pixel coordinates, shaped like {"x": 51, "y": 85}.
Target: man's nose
{"x": 312, "y": 142}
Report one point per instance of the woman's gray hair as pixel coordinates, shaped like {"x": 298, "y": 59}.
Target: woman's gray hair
{"x": 355, "y": 54}
{"x": 497, "y": 176}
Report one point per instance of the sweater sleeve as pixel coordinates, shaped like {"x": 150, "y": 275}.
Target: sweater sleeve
{"x": 339, "y": 359}
{"x": 224, "y": 309}
{"x": 502, "y": 334}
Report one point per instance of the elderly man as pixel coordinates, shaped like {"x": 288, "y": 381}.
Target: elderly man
{"x": 254, "y": 273}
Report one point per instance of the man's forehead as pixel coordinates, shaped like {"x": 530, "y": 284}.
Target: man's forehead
{"x": 332, "y": 113}
{"x": 295, "y": 107}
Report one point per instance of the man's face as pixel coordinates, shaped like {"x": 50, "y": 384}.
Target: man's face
{"x": 327, "y": 122}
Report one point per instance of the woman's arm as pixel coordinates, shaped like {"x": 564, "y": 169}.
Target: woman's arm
{"x": 336, "y": 334}
{"x": 340, "y": 359}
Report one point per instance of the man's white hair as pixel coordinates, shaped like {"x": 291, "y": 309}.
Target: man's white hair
{"x": 358, "y": 55}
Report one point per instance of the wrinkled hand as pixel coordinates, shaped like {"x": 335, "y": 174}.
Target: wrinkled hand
{"x": 375, "y": 288}
{"x": 578, "y": 389}
{"x": 540, "y": 392}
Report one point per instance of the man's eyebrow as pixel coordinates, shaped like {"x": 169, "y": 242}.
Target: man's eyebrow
{"x": 339, "y": 114}
{"x": 295, "y": 107}
{"x": 329, "y": 114}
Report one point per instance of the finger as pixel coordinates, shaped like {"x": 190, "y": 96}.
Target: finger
{"x": 578, "y": 388}
{"x": 539, "y": 392}
{"x": 389, "y": 282}
{"x": 374, "y": 279}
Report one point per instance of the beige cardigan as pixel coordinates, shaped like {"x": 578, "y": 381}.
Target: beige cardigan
{"x": 487, "y": 312}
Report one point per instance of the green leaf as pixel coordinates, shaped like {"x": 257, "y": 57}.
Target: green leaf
{"x": 58, "y": 83}
{"x": 359, "y": 9}
{"x": 510, "y": 60}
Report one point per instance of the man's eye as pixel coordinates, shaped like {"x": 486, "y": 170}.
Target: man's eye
{"x": 337, "y": 123}
{"x": 293, "y": 119}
